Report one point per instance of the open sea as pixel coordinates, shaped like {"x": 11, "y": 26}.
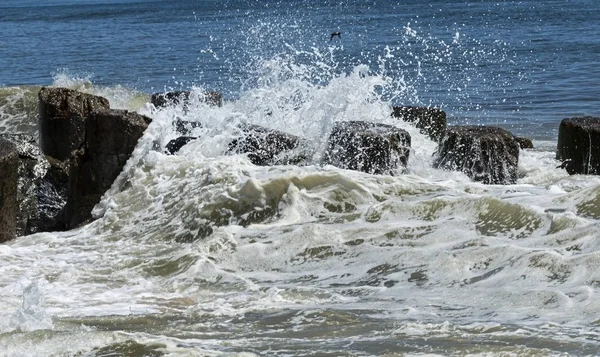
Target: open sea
{"x": 206, "y": 254}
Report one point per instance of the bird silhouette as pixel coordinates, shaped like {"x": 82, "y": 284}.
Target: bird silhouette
{"x": 337, "y": 33}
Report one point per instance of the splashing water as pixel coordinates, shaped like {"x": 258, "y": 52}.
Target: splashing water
{"x": 31, "y": 316}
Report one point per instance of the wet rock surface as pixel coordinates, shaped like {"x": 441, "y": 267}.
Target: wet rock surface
{"x": 367, "y": 147}
{"x": 9, "y": 166}
{"x": 32, "y": 168}
{"x": 175, "y": 145}
{"x": 162, "y": 100}
{"x": 111, "y": 137}
{"x": 578, "y": 145}
{"x": 486, "y": 154}
{"x": 431, "y": 121}
{"x": 524, "y": 143}
{"x": 266, "y": 146}
{"x": 62, "y": 119}
{"x": 42, "y": 187}
{"x": 51, "y": 193}
{"x": 185, "y": 127}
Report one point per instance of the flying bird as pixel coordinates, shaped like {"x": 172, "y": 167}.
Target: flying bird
{"x": 337, "y": 33}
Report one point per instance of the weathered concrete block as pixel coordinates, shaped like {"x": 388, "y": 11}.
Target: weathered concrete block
{"x": 431, "y": 121}
{"x": 367, "y": 147}
{"x": 579, "y": 145}
{"x": 484, "y": 153}
{"x": 9, "y": 208}
{"x": 62, "y": 119}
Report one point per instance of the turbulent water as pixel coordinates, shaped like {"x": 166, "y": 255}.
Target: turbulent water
{"x": 206, "y": 254}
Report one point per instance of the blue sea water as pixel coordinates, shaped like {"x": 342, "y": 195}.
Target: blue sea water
{"x": 310, "y": 261}
{"x": 527, "y": 63}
